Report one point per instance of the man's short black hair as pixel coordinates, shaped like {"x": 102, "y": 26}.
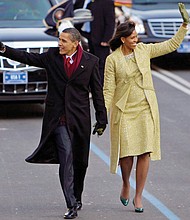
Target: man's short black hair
{"x": 75, "y": 34}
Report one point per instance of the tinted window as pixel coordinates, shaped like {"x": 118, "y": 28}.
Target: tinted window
{"x": 23, "y": 9}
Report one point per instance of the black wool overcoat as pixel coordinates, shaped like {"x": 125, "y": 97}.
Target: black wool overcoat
{"x": 66, "y": 95}
{"x": 103, "y": 24}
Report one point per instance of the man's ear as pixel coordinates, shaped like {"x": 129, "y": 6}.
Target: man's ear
{"x": 76, "y": 43}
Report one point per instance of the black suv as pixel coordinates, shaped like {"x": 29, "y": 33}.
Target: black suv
{"x": 156, "y": 20}
{"x": 23, "y": 26}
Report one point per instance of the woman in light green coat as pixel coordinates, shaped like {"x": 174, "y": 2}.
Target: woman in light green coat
{"x": 131, "y": 100}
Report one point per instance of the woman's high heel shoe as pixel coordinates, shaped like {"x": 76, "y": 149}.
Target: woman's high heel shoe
{"x": 139, "y": 210}
{"x": 124, "y": 201}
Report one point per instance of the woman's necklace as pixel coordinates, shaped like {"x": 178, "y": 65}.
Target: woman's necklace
{"x": 129, "y": 56}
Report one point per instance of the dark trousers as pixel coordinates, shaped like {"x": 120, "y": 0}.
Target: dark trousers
{"x": 79, "y": 176}
{"x": 66, "y": 172}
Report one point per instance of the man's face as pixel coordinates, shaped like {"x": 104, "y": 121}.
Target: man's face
{"x": 66, "y": 46}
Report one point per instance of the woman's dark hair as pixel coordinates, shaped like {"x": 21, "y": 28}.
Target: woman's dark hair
{"x": 123, "y": 30}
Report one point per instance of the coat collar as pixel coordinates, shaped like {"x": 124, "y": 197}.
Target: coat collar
{"x": 81, "y": 66}
{"x": 142, "y": 61}
{"x": 61, "y": 65}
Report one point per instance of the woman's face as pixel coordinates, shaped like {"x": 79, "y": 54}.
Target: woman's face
{"x": 130, "y": 42}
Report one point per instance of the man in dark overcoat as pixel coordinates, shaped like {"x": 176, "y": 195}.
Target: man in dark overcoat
{"x": 66, "y": 128}
{"x": 101, "y": 28}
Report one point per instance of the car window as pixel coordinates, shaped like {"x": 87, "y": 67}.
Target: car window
{"x": 23, "y": 9}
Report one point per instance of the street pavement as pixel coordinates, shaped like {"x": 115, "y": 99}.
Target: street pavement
{"x": 32, "y": 191}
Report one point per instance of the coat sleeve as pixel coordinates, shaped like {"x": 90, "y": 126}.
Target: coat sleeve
{"x": 109, "y": 83}
{"x": 32, "y": 59}
{"x": 165, "y": 47}
{"x": 109, "y": 20}
{"x": 97, "y": 95}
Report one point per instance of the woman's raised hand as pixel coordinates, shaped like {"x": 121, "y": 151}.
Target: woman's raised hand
{"x": 184, "y": 13}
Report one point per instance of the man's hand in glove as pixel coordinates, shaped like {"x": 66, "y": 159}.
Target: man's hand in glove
{"x": 184, "y": 13}
{"x": 99, "y": 128}
{"x": 2, "y": 47}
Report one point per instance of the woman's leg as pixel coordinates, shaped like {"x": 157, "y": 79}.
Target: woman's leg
{"x": 126, "y": 164}
{"x": 141, "y": 175}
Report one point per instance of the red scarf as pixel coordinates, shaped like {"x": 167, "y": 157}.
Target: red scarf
{"x": 76, "y": 60}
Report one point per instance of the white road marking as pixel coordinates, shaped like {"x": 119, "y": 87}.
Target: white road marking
{"x": 173, "y": 83}
{"x": 173, "y": 76}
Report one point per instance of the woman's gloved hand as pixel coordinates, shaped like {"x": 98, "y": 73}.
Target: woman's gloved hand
{"x": 184, "y": 13}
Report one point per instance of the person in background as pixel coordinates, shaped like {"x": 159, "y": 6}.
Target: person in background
{"x": 131, "y": 100}
{"x": 100, "y": 30}
{"x": 65, "y": 138}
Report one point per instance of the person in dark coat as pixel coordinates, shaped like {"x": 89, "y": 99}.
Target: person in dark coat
{"x": 66, "y": 127}
{"x": 101, "y": 28}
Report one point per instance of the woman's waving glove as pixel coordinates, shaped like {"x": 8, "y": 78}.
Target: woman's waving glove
{"x": 184, "y": 13}
{"x": 99, "y": 128}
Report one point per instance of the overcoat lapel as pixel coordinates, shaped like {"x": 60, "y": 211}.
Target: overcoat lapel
{"x": 60, "y": 62}
{"x": 81, "y": 67}
{"x": 141, "y": 60}
{"x": 120, "y": 57}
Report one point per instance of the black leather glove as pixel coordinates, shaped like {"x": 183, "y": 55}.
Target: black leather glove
{"x": 99, "y": 129}
{"x": 2, "y": 47}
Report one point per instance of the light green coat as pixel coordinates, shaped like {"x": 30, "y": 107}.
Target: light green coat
{"x": 116, "y": 87}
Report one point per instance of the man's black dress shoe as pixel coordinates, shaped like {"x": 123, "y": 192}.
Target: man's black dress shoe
{"x": 71, "y": 213}
{"x": 79, "y": 205}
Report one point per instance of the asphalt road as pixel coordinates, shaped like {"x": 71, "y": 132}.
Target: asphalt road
{"x": 29, "y": 191}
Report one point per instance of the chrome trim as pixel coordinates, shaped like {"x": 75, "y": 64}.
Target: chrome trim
{"x": 30, "y": 87}
{"x": 165, "y": 28}
{"x": 34, "y": 86}
{"x": 29, "y": 46}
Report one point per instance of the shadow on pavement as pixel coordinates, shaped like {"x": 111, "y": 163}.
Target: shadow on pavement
{"x": 24, "y": 110}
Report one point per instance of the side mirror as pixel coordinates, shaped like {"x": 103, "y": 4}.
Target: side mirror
{"x": 82, "y": 15}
